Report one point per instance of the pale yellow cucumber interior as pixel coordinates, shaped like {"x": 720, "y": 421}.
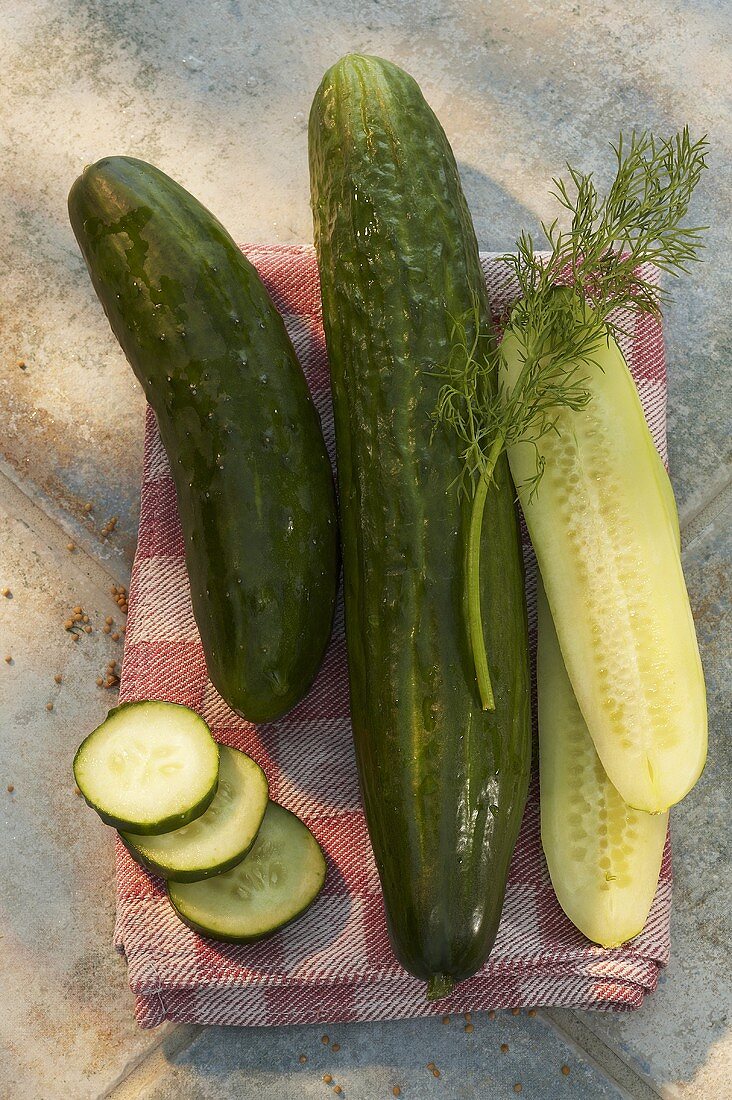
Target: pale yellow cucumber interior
{"x": 606, "y": 548}
{"x": 148, "y": 761}
{"x": 603, "y": 856}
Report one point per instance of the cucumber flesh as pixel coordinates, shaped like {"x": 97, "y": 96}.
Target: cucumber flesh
{"x": 603, "y": 856}
{"x": 150, "y": 767}
{"x": 278, "y": 880}
{"x": 218, "y": 839}
{"x": 607, "y": 552}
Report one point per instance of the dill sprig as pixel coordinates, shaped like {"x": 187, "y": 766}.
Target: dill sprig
{"x": 598, "y": 261}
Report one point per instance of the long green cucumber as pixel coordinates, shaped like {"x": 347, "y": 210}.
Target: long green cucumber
{"x": 252, "y": 476}
{"x": 607, "y": 550}
{"x": 443, "y": 782}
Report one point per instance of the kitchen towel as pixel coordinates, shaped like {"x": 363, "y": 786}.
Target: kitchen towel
{"x": 335, "y": 963}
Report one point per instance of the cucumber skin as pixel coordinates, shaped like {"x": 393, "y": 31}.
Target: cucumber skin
{"x": 253, "y": 479}
{"x": 165, "y": 824}
{"x": 430, "y": 760}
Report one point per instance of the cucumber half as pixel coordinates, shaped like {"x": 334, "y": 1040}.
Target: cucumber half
{"x": 150, "y": 767}
{"x": 607, "y": 551}
{"x": 278, "y": 880}
{"x": 603, "y": 856}
{"x": 218, "y": 839}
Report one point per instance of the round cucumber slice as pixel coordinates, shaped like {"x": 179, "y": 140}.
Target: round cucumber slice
{"x": 278, "y": 880}
{"x": 604, "y": 857}
{"x": 150, "y": 767}
{"x": 220, "y": 837}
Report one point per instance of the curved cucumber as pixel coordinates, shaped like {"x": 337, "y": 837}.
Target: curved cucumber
{"x": 278, "y": 880}
{"x": 150, "y": 767}
{"x": 666, "y": 490}
{"x": 608, "y": 556}
{"x": 252, "y": 475}
{"x": 603, "y": 856}
{"x": 444, "y": 782}
{"x": 218, "y": 839}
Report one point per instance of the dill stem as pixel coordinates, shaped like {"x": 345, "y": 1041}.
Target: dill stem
{"x": 475, "y": 618}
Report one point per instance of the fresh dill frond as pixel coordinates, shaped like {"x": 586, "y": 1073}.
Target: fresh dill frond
{"x": 466, "y": 402}
{"x": 599, "y": 263}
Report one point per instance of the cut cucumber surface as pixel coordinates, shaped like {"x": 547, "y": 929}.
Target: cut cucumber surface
{"x": 607, "y": 551}
{"x": 278, "y": 880}
{"x": 149, "y": 768}
{"x": 603, "y": 856}
{"x": 218, "y": 839}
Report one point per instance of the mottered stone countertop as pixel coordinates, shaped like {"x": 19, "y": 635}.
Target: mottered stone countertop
{"x": 217, "y": 94}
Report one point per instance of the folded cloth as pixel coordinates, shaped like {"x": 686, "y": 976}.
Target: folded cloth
{"x": 335, "y": 963}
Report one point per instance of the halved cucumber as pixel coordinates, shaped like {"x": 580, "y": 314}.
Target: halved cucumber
{"x": 603, "y": 856}
{"x": 218, "y": 839}
{"x": 665, "y": 488}
{"x": 278, "y": 880}
{"x": 149, "y": 768}
{"x": 607, "y": 553}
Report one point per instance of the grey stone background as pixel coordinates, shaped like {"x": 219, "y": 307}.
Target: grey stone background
{"x": 217, "y": 94}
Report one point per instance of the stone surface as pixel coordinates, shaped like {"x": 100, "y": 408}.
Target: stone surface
{"x": 66, "y": 1026}
{"x": 226, "y": 1063}
{"x": 217, "y": 94}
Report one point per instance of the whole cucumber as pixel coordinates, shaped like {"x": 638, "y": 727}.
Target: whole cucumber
{"x": 253, "y": 480}
{"x": 444, "y": 783}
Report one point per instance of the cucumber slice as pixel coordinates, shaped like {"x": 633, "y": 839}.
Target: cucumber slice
{"x": 219, "y": 838}
{"x": 278, "y": 880}
{"x": 149, "y": 768}
{"x": 603, "y": 856}
{"x": 607, "y": 552}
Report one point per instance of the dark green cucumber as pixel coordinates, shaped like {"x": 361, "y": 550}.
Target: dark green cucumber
{"x": 254, "y": 484}
{"x": 444, "y": 783}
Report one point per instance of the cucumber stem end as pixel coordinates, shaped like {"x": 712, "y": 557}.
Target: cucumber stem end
{"x": 439, "y": 986}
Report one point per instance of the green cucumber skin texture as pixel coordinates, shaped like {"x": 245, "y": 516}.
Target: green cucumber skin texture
{"x": 443, "y": 783}
{"x": 253, "y": 480}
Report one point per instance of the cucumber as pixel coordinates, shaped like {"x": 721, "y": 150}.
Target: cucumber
{"x": 150, "y": 767}
{"x": 603, "y": 856}
{"x": 219, "y": 838}
{"x": 278, "y": 880}
{"x": 443, "y": 782}
{"x": 252, "y": 476}
{"x": 607, "y": 551}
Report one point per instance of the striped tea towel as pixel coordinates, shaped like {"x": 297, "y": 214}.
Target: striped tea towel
{"x": 335, "y": 963}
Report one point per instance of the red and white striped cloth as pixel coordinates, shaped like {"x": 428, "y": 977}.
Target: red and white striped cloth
{"x": 335, "y": 963}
